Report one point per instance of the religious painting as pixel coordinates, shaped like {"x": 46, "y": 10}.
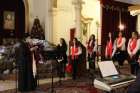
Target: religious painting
{"x": 9, "y": 20}
{"x": 84, "y": 28}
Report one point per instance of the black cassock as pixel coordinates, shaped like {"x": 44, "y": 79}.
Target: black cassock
{"x": 135, "y": 87}
{"x": 26, "y": 80}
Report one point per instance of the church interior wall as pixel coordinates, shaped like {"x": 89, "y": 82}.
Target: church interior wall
{"x": 63, "y": 20}
{"x": 138, "y": 24}
{"x": 91, "y": 9}
{"x": 64, "y": 17}
{"x": 37, "y": 8}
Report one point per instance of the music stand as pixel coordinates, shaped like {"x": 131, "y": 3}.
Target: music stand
{"x": 38, "y": 85}
{"x": 16, "y": 78}
{"x": 50, "y": 54}
{"x": 51, "y": 90}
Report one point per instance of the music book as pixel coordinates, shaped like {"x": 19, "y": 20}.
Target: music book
{"x": 107, "y": 68}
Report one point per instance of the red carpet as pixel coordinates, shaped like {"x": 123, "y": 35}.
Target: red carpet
{"x": 78, "y": 89}
{"x": 71, "y": 86}
{"x": 61, "y": 90}
{"x": 65, "y": 87}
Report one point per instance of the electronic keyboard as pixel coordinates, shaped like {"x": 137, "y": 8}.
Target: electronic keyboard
{"x": 113, "y": 82}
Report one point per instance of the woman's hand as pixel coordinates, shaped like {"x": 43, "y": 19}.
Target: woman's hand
{"x": 34, "y": 48}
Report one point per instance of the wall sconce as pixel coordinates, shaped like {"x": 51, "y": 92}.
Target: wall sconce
{"x": 121, "y": 26}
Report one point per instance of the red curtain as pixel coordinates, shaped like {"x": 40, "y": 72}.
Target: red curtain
{"x": 110, "y": 20}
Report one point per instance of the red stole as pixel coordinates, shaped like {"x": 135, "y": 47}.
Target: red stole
{"x": 119, "y": 40}
{"x": 90, "y": 47}
{"x": 133, "y": 44}
{"x": 74, "y": 51}
{"x": 109, "y": 48}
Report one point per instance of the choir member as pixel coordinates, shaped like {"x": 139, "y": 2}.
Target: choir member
{"x": 91, "y": 49}
{"x": 25, "y": 59}
{"x": 119, "y": 49}
{"x": 109, "y": 47}
{"x": 135, "y": 87}
{"x": 62, "y": 57}
{"x": 75, "y": 51}
{"x": 132, "y": 48}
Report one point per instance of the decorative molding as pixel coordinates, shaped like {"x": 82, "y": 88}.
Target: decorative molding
{"x": 129, "y": 1}
{"x": 114, "y": 8}
{"x": 134, "y": 10}
{"x": 78, "y": 3}
{"x": 135, "y": 7}
{"x": 86, "y": 19}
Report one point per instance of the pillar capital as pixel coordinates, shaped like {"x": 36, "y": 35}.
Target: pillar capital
{"x": 78, "y": 4}
{"x": 78, "y": 7}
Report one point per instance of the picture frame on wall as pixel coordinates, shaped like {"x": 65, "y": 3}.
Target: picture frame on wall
{"x": 9, "y": 20}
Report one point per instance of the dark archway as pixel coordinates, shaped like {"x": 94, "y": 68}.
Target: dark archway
{"x": 16, "y": 6}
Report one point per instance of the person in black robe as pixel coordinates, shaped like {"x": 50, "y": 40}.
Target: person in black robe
{"x": 135, "y": 87}
{"x": 62, "y": 57}
{"x": 26, "y": 79}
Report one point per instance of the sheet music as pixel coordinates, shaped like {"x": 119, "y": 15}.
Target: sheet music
{"x": 2, "y": 49}
{"x": 107, "y": 68}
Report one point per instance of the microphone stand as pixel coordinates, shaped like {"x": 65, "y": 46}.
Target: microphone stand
{"x": 16, "y": 78}
{"x": 38, "y": 78}
{"x": 52, "y": 86}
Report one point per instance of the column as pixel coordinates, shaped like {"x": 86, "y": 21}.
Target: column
{"x": 138, "y": 24}
{"x": 78, "y": 6}
{"x": 49, "y": 21}
{"x": 31, "y": 13}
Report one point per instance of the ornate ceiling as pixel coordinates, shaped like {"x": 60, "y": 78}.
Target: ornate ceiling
{"x": 130, "y": 1}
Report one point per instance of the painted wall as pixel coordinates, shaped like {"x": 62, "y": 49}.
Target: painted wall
{"x": 91, "y": 9}
{"x": 63, "y": 20}
{"x": 63, "y": 17}
{"x": 37, "y": 8}
{"x": 138, "y": 24}
{"x": 42, "y": 10}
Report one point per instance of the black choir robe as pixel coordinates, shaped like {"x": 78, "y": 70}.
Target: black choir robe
{"x": 135, "y": 87}
{"x": 26, "y": 80}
